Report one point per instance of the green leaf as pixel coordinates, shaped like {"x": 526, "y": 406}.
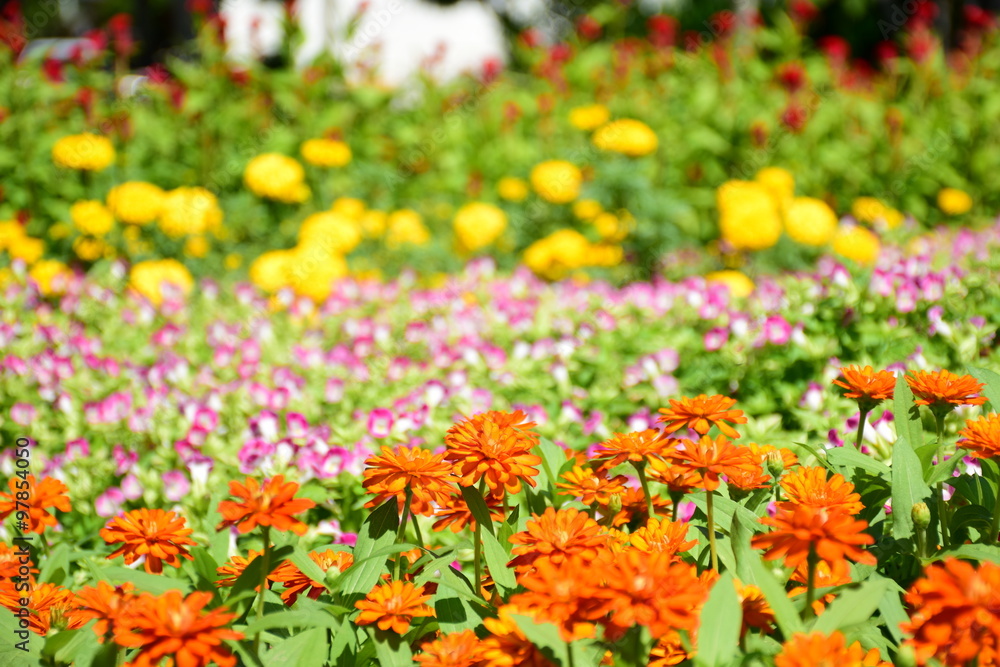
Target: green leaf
{"x": 54, "y": 568}
{"x": 907, "y": 424}
{"x": 378, "y": 532}
{"x": 158, "y": 584}
{"x": 391, "y": 650}
{"x": 545, "y": 636}
{"x": 721, "y": 620}
{"x": 908, "y": 487}
{"x": 891, "y": 609}
{"x": 496, "y": 560}
{"x": 942, "y": 472}
{"x": 293, "y": 618}
{"x": 992, "y": 381}
{"x": 553, "y": 457}
{"x": 309, "y": 648}
{"x": 785, "y": 614}
{"x": 847, "y": 458}
{"x": 300, "y": 557}
{"x": 853, "y": 606}
{"x": 478, "y": 507}
{"x": 10, "y": 654}
{"x": 742, "y": 551}
{"x": 508, "y": 528}
{"x": 455, "y": 614}
{"x": 971, "y": 552}
{"x": 725, "y": 509}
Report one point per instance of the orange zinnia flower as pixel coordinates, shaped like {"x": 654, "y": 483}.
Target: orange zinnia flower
{"x": 788, "y": 457}
{"x": 866, "y": 385}
{"x": 273, "y": 504}
{"x": 48, "y": 606}
{"x": 809, "y": 486}
{"x": 669, "y": 537}
{"x": 982, "y": 436}
{"x": 495, "y": 446}
{"x": 748, "y": 479}
{"x": 10, "y": 566}
{"x": 158, "y": 535}
{"x": 827, "y": 575}
{"x": 701, "y": 413}
{"x": 416, "y": 469}
{"x": 171, "y": 625}
{"x": 458, "y": 649}
{"x": 956, "y": 613}
{"x": 234, "y": 568}
{"x": 638, "y": 448}
{"x": 591, "y": 486}
{"x": 669, "y": 651}
{"x": 296, "y": 582}
{"x": 634, "y": 508}
{"x": 506, "y": 645}
{"x": 710, "y": 458}
{"x": 819, "y": 650}
{"x": 393, "y": 605}
{"x": 455, "y": 514}
{"x": 49, "y": 492}
{"x": 834, "y": 535}
{"x": 944, "y": 389}
{"x": 677, "y": 478}
{"x": 757, "y": 613}
{"x": 566, "y": 594}
{"x": 556, "y": 535}
{"x": 106, "y": 604}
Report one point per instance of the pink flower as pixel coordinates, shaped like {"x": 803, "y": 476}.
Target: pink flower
{"x": 175, "y": 485}
{"x": 380, "y": 423}
{"x": 23, "y": 413}
{"x": 131, "y": 487}
{"x": 109, "y": 503}
{"x": 777, "y": 330}
{"x": 715, "y": 338}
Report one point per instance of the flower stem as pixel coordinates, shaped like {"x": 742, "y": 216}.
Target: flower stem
{"x": 401, "y": 531}
{"x": 811, "y": 561}
{"x": 477, "y": 552}
{"x": 265, "y": 570}
{"x": 921, "y": 534}
{"x": 640, "y": 468}
{"x": 861, "y": 427}
{"x": 942, "y": 507}
{"x": 995, "y": 523}
{"x": 710, "y": 512}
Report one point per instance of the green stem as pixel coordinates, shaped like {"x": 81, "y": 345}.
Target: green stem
{"x": 477, "y": 553}
{"x": 569, "y": 654}
{"x": 995, "y": 523}
{"x": 861, "y": 428}
{"x": 921, "y": 535}
{"x": 942, "y": 507}
{"x": 640, "y": 468}
{"x": 265, "y": 570}
{"x": 811, "y": 561}
{"x": 401, "y": 532}
{"x": 710, "y": 503}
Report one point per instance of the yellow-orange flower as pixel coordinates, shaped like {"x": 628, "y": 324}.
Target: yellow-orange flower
{"x": 708, "y": 459}
{"x": 49, "y": 492}
{"x": 701, "y": 413}
{"x": 48, "y": 605}
{"x": 638, "y": 447}
{"x": 455, "y": 514}
{"x": 809, "y": 486}
{"x": 393, "y": 606}
{"x": 591, "y": 486}
{"x": 819, "y": 650}
{"x": 108, "y": 605}
{"x": 158, "y": 535}
{"x": 496, "y": 447}
{"x": 231, "y": 571}
{"x": 273, "y": 504}
{"x": 835, "y": 536}
{"x": 669, "y": 651}
{"x": 866, "y": 385}
{"x": 662, "y": 536}
{"x": 757, "y": 613}
{"x": 296, "y": 583}
{"x": 944, "y": 389}
{"x": 458, "y": 649}
{"x": 982, "y": 436}
{"x": 556, "y": 535}
{"x": 567, "y": 594}
{"x": 403, "y": 469}
{"x": 506, "y": 645}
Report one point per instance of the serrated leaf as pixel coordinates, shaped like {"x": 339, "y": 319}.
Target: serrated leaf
{"x": 721, "y": 620}
{"x": 480, "y": 511}
{"x": 852, "y": 606}
{"x": 908, "y": 487}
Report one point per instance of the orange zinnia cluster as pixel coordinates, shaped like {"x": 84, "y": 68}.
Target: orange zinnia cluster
{"x": 425, "y": 475}
{"x": 271, "y": 504}
{"x": 393, "y": 606}
{"x": 944, "y": 389}
{"x": 50, "y": 606}
{"x": 982, "y": 436}
{"x": 701, "y": 413}
{"x": 49, "y": 492}
{"x": 495, "y": 447}
{"x": 819, "y": 650}
{"x": 159, "y": 536}
{"x": 707, "y": 459}
{"x": 556, "y": 535}
{"x": 297, "y": 583}
{"x": 956, "y": 613}
{"x": 867, "y": 386}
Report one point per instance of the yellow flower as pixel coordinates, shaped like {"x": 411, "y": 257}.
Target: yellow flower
{"x": 558, "y": 253}
{"x": 611, "y": 227}
{"x": 91, "y": 217}
{"x": 196, "y": 246}
{"x": 748, "y": 216}
{"x": 58, "y": 231}
{"x": 857, "y": 243}
{"x": 738, "y": 283}
{"x": 587, "y": 209}
{"x": 334, "y": 231}
{"x": 780, "y": 183}
{"x": 233, "y": 261}
{"x": 512, "y": 189}
{"x": 626, "y": 136}
{"x": 373, "y": 223}
{"x": 406, "y": 226}
{"x": 136, "y": 202}
{"x": 349, "y": 206}
{"x": 810, "y": 221}
{"x": 50, "y": 276}
{"x": 557, "y": 181}
{"x": 870, "y": 209}
{"x": 589, "y": 117}
{"x": 477, "y": 225}
{"x": 26, "y": 248}
{"x": 189, "y": 211}
{"x": 278, "y": 177}
{"x": 150, "y": 277}
{"x": 86, "y": 152}
{"x": 89, "y": 249}
{"x": 326, "y": 153}
{"x": 10, "y": 231}
{"x": 953, "y": 201}
{"x": 270, "y": 271}
{"x": 312, "y": 271}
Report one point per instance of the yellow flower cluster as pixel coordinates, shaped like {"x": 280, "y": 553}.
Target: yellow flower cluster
{"x": 512, "y": 189}
{"x": 189, "y": 211}
{"x": 626, "y": 136}
{"x": 870, "y": 210}
{"x": 556, "y": 181}
{"x": 85, "y": 152}
{"x": 477, "y": 225}
{"x": 589, "y": 117}
{"x": 136, "y": 202}
{"x": 148, "y": 278}
{"x": 566, "y": 250}
{"x": 780, "y": 183}
{"x": 857, "y": 243}
{"x": 91, "y": 217}
{"x": 749, "y": 218}
{"x": 810, "y": 221}
{"x": 334, "y": 231}
{"x": 326, "y": 153}
{"x": 953, "y": 201}
{"x": 90, "y": 249}
{"x": 18, "y": 245}
{"x": 739, "y": 283}
{"x": 278, "y": 177}
{"x": 50, "y": 276}
{"x": 406, "y": 226}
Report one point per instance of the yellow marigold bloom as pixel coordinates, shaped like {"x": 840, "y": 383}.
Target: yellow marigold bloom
{"x": 149, "y": 278}
{"x": 954, "y": 201}
{"x": 196, "y": 246}
{"x": 326, "y": 153}
{"x": 555, "y": 255}
{"x": 478, "y": 224}
{"x": 349, "y": 206}
{"x": 780, "y": 183}
{"x": 589, "y": 117}
{"x": 373, "y": 223}
{"x": 610, "y": 227}
{"x": 332, "y": 231}
{"x": 189, "y": 211}
{"x": 50, "y": 276}
{"x": 748, "y": 216}
{"x": 136, "y": 202}
{"x": 810, "y": 221}
{"x": 626, "y": 136}
{"x": 10, "y": 231}
{"x": 88, "y": 248}
{"x": 857, "y": 243}
{"x": 556, "y": 181}
{"x": 91, "y": 217}
{"x": 233, "y": 261}
{"x": 870, "y": 209}
{"x": 278, "y": 177}
{"x": 312, "y": 271}
{"x": 270, "y": 271}
{"x": 512, "y": 189}
{"x": 86, "y": 152}
{"x": 26, "y": 248}
{"x": 738, "y": 283}
{"x": 406, "y": 226}
{"x": 587, "y": 209}
{"x": 604, "y": 254}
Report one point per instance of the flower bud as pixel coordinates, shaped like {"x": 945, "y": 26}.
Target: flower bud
{"x": 921, "y": 515}
{"x": 775, "y": 464}
{"x": 614, "y": 504}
